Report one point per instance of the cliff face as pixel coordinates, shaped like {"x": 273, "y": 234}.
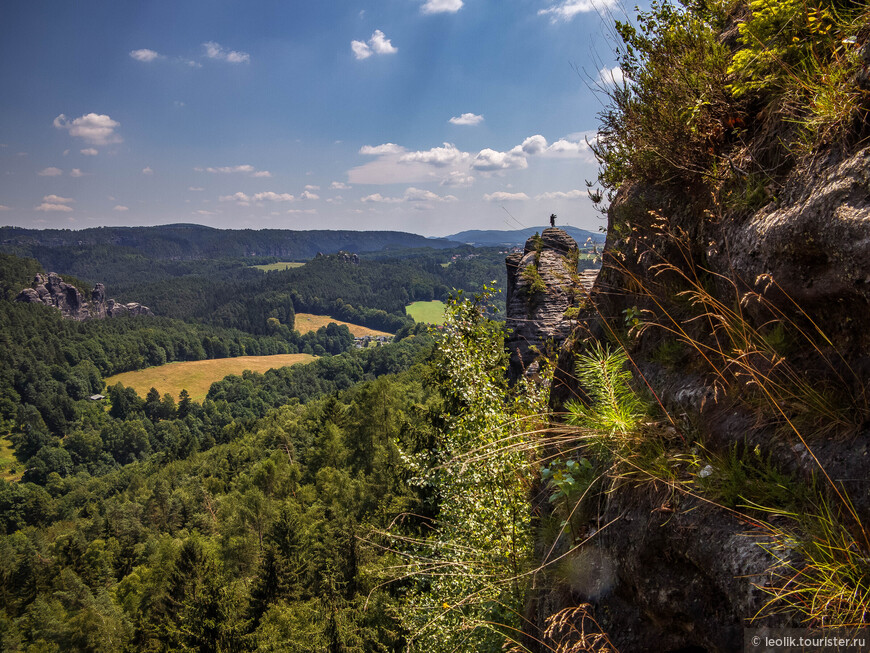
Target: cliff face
{"x": 51, "y": 290}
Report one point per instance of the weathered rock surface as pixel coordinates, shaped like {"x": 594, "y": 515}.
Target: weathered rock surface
{"x": 51, "y": 290}
{"x": 536, "y": 316}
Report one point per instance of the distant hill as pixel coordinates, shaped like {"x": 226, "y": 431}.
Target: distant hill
{"x": 191, "y": 242}
{"x": 493, "y": 238}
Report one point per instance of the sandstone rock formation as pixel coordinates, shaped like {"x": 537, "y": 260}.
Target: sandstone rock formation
{"x": 51, "y": 290}
{"x": 542, "y": 284}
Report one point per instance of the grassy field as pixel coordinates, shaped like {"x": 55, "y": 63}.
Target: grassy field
{"x": 306, "y": 322}
{"x": 197, "y": 376}
{"x": 280, "y": 265}
{"x": 9, "y": 463}
{"x": 429, "y": 312}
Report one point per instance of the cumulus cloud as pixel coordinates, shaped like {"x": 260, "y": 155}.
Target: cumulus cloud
{"x": 239, "y": 198}
{"x": 55, "y": 203}
{"x": 411, "y": 195}
{"x": 377, "y": 44}
{"x": 441, "y": 6}
{"x": 121, "y": 208}
{"x": 93, "y": 128}
{"x": 611, "y": 76}
{"x": 50, "y": 172}
{"x": 339, "y": 185}
{"x": 90, "y": 151}
{"x": 566, "y": 10}
{"x": 144, "y": 55}
{"x": 262, "y": 173}
{"x": 442, "y": 156}
{"x": 57, "y": 199}
{"x": 457, "y": 179}
{"x": 377, "y": 150}
{"x": 271, "y": 197}
{"x": 147, "y": 170}
{"x": 488, "y": 160}
{"x": 466, "y": 119}
{"x": 534, "y": 144}
{"x": 360, "y": 49}
{"x": 307, "y": 195}
{"x": 311, "y": 187}
{"x": 560, "y": 195}
{"x": 215, "y": 51}
{"x": 75, "y": 172}
{"x": 502, "y": 196}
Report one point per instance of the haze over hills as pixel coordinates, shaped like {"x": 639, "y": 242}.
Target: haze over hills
{"x": 493, "y": 238}
{"x": 191, "y": 241}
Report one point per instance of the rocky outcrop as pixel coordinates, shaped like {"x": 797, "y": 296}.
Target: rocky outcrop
{"x": 542, "y": 284}
{"x": 51, "y": 290}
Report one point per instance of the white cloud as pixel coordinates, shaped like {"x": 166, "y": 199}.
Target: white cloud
{"x": 441, "y": 6}
{"x": 360, "y": 49}
{"x": 50, "y": 172}
{"x": 242, "y": 169}
{"x": 419, "y": 195}
{"x": 75, "y": 172}
{"x": 90, "y": 151}
{"x": 377, "y": 150}
{"x": 380, "y": 44}
{"x": 339, "y": 185}
{"x": 147, "y": 170}
{"x": 611, "y": 76}
{"x": 377, "y": 44}
{"x": 308, "y": 211}
{"x": 57, "y": 199}
{"x": 55, "y": 203}
{"x": 411, "y": 195}
{"x": 502, "y": 196}
{"x": 93, "y": 128}
{"x": 121, "y": 208}
{"x": 45, "y": 206}
{"x": 534, "y": 144}
{"x": 457, "y": 179}
{"x": 3, "y": 207}
{"x": 466, "y": 119}
{"x": 437, "y": 156}
{"x": 239, "y": 197}
{"x": 560, "y": 195}
{"x": 488, "y": 160}
{"x": 567, "y": 9}
{"x": 144, "y": 55}
{"x": 271, "y": 197}
{"x": 204, "y": 212}
{"x": 311, "y": 187}
{"x": 377, "y": 197}
{"x": 306, "y": 195}
{"x": 215, "y": 51}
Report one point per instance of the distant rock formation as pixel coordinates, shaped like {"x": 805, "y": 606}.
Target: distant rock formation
{"x": 51, "y": 290}
{"x": 542, "y": 284}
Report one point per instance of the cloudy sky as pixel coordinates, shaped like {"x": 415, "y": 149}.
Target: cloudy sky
{"x": 429, "y": 116}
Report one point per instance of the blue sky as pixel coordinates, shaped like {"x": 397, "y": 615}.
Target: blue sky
{"x": 429, "y": 116}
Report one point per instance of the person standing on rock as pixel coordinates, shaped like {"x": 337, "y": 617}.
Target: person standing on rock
{"x": 552, "y": 219}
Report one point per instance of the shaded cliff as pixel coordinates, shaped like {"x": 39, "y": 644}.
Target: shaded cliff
{"x": 51, "y": 290}
{"x": 736, "y": 277}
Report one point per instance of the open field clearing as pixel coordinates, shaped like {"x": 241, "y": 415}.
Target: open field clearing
{"x": 306, "y": 322}
{"x": 280, "y": 265}
{"x": 197, "y": 376}
{"x": 428, "y": 312}
{"x": 8, "y": 463}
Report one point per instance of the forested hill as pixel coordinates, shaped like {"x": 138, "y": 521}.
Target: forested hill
{"x": 492, "y": 238}
{"x": 191, "y": 242}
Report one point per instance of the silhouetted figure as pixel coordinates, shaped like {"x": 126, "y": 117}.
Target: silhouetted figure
{"x": 552, "y": 219}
